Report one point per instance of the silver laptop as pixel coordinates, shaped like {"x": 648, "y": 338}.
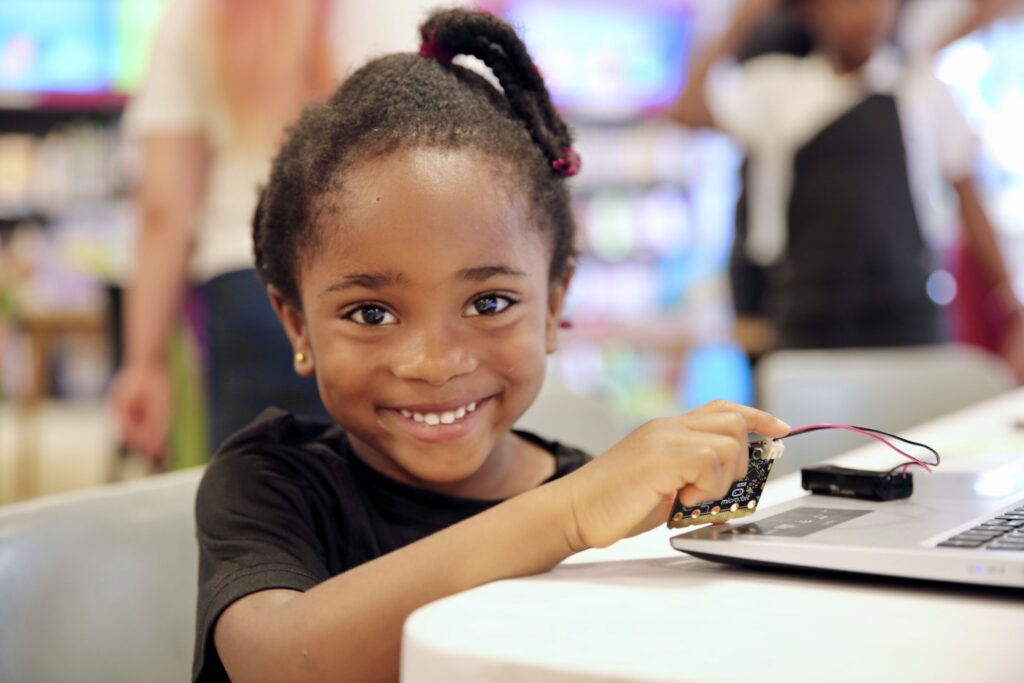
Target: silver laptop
{"x": 964, "y": 523}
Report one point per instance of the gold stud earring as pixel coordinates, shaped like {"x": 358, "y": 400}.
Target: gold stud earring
{"x": 300, "y": 357}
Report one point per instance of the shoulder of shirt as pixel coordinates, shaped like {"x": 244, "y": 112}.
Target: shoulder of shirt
{"x": 567, "y": 458}
{"x": 277, "y": 434}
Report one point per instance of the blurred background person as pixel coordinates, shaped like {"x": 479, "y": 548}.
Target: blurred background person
{"x": 845, "y": 137}
{"x": 225, "y": 78}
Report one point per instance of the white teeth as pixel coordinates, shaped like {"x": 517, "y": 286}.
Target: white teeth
{"x": 433, "y": 419}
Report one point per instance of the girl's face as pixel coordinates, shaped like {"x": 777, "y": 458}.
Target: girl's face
{"x": 427, "y": 315}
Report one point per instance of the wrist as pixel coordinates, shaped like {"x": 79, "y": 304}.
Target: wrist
{"x": 146, "y": 362}
{"x": 563, "y": 494}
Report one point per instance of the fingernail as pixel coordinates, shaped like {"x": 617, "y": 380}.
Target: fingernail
{"x": 784, "y": 425}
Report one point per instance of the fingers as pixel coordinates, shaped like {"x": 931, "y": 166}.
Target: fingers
{"x": 706, "y": 473}
{"x": 691, "y": 495}
{"x": 756, "y": 420}
{"x": 729, "y": 451}
{"x": 146, "y": 432}
{"x": 731, "y": 431}
{"x": 714, "y": 440}
{"x": 142, "y": 413}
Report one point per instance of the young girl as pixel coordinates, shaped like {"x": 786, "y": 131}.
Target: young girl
{"x": 416, "y": 241}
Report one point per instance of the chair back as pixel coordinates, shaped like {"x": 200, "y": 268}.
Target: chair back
{"x": 100, "y": 585}
{"x": 890, "y": 389}
{"x": 574, "y": 419}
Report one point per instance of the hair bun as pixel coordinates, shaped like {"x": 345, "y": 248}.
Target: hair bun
{"x": 451, "y": 32}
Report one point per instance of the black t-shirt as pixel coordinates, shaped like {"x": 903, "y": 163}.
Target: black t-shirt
{"x": 286, "y": 503}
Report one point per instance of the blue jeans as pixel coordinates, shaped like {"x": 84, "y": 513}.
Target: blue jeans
{"x": 249, "y": 359}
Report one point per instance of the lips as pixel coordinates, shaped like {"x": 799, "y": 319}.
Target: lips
{"x": 438, "y": 423}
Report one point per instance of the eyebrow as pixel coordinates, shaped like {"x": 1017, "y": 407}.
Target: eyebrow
{"x": 482, "y": 273}
{"x": 364, "y": 280}
{"x": 382, "y": 280}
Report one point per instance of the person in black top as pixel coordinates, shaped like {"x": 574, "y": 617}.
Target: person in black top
{"x": 847, "y": 146}
{"x": 416, "y": 241}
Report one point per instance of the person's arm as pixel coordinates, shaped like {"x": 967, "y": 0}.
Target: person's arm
{"x": 349, "y": 627}
{"x": 691, "y": 109}
{"x": 981, "y": 236}
{"x": 984, "y": 245}
{"x": 170, "y": 197}
{"x": 981, "y": 14}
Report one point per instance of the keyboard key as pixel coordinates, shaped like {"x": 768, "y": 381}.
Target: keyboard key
{"x": 964, "y": 543}
{"x": 1019, "y": 548}
{"x": 970, "y": 537}
{"x": 986, "y": 531}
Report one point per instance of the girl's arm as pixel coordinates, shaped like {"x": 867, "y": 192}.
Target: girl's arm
{"x": 691, "y": 109}
{"x": 349, "y": 628}
{"x": 170, "y": 197}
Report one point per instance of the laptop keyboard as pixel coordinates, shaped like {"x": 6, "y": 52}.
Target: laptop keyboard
{"x": 1003, "y": 532}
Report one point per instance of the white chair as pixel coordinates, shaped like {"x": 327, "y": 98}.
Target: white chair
{"x": 573, "y": 419}
{"x": 100, "y": 585}
{"x": 890, "y": 389}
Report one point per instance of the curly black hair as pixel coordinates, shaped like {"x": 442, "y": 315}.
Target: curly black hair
{"x": 404, "y": 101}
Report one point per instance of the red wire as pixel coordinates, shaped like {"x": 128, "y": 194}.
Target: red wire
{"x": 807, "y": 428}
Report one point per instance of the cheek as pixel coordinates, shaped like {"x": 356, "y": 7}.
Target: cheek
{"x": 522, "y": 355}
{"x": 343, "y": 369}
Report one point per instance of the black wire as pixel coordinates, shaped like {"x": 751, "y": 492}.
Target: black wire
{"x": 938, "y": 459}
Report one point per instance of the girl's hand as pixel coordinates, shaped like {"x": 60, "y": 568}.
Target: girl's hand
{"x": 631, "y": 487}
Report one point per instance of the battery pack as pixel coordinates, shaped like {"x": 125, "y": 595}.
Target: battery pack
{"x": 829, "y": 480}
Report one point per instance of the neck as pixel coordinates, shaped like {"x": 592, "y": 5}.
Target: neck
{"x": 513, "y": 467}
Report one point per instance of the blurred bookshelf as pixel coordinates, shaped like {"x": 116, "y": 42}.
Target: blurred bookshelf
{"x": 67, "y": 221}
{"x": 654, "y": 202}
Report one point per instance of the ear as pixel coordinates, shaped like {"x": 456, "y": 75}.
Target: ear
{"x": 556, "y": 301}
{"x": 295, "y": 327}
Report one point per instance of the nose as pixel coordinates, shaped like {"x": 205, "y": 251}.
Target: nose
{"x": 434, "y": 355}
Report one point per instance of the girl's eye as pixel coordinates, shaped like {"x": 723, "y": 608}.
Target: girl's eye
{"x": 372, "y": 315}
{"x": 489, "y": 304}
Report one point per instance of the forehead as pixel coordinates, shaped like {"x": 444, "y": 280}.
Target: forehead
{"x": 428, "y": 213}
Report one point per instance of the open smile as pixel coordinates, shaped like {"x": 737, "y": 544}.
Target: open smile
{"x": 446, "y": 417}
{"x": 435, "y": 423}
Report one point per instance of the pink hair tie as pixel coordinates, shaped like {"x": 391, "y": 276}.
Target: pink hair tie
{"x": 568, "y": 164}
{"x": 431, "y": 49}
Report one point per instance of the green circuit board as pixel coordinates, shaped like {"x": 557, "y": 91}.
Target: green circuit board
{"x": 743, "y": 495}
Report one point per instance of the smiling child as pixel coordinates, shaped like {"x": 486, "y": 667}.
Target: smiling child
{"x": 416, "y": 240}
